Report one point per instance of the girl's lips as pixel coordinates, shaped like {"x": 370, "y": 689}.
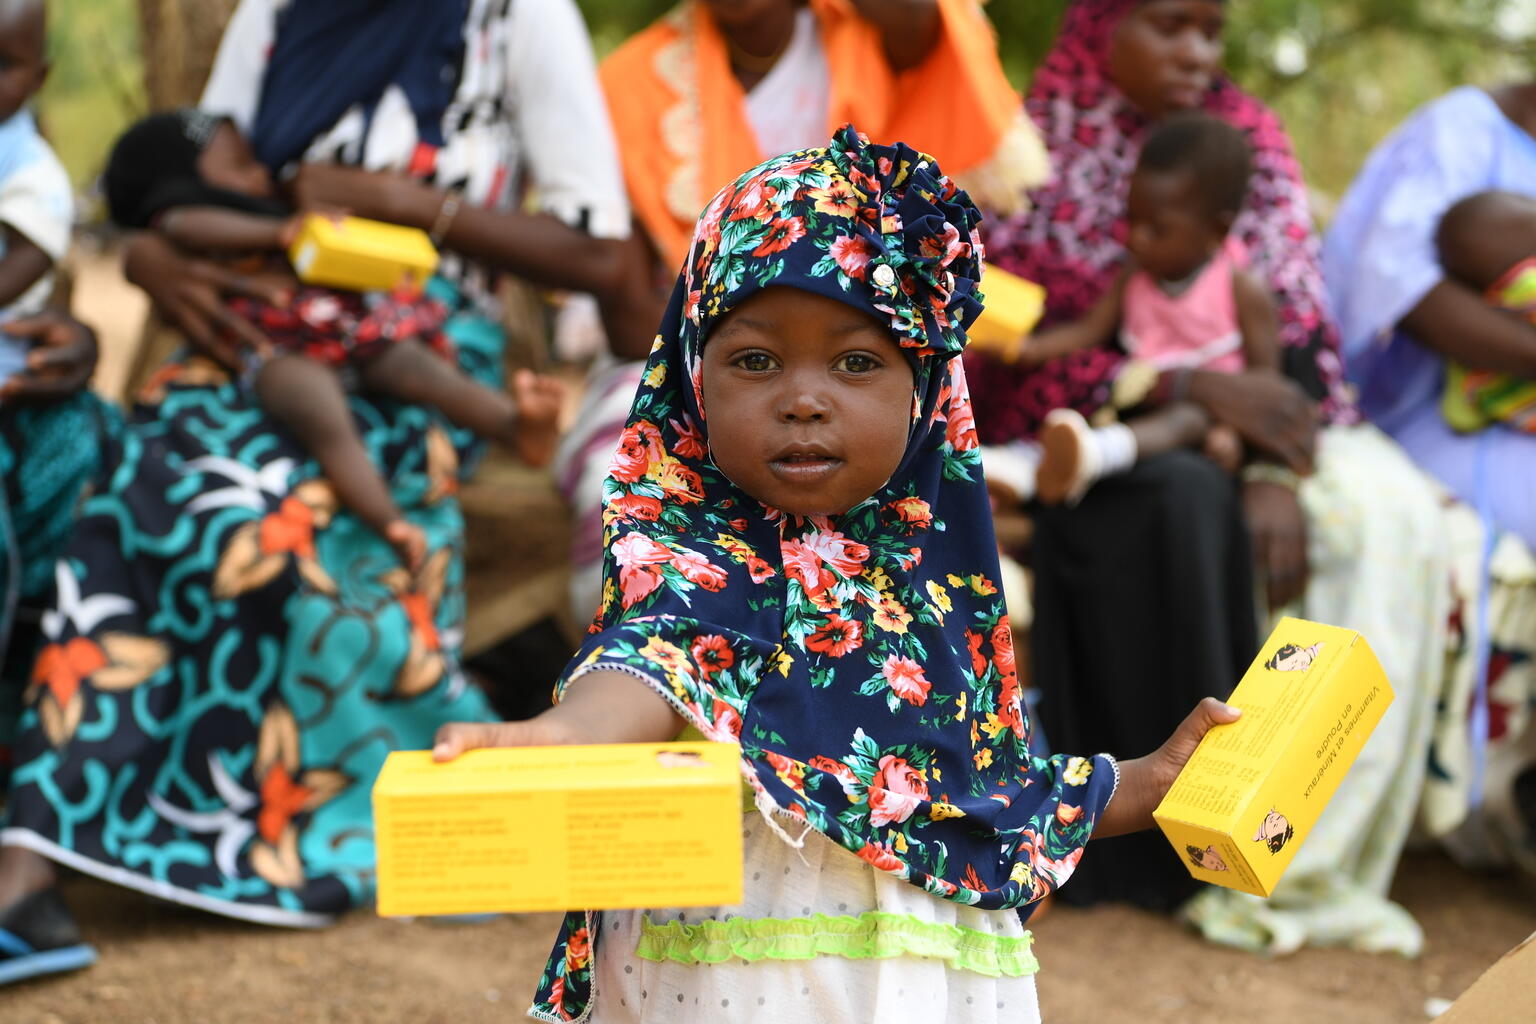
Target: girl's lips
{"x": 804, "y": 469}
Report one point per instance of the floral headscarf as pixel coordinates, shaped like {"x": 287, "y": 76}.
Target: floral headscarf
{"x": 864, "y": 663}
{"x": 1072, "y": 240}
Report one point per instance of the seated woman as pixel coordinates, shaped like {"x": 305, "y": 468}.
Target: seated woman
{"x": 231, "y": 655}
{"x": 1341, "y": 525}
{"x": 1407, "y": 310}
{"x": 718, "y": 85}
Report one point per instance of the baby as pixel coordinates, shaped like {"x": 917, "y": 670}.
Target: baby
{"x": 1185, "y": 301}
{"x": 193, "y": 178}
{"x": 36, "y": 206}
{"x": 1488, "y": 243}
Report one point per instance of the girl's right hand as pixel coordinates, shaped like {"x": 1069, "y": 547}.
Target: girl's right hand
{"x": 189, "y": 294}
{"x": 456, "y": 738}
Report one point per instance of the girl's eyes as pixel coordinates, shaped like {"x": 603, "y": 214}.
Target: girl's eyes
{"x": 762, "y": 362}
{"x": 755, "y": 362}
{"x": 857, "y": 362}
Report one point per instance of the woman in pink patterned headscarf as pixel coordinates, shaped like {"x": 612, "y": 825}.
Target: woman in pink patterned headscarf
{"x": 1339, "y": 524}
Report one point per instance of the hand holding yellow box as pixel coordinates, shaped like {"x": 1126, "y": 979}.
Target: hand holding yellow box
{"x": 361, "y": 255}
{"x": 560, "y": 828}
{"x": 1253, "y": 790}
{"x": 1013, "y": 308}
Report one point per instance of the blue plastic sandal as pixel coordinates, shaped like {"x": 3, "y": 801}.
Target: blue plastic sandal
{"x": 39, "y": 937}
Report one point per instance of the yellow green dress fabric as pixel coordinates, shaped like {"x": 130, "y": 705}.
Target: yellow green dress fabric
{"x": 1475, "y": 399}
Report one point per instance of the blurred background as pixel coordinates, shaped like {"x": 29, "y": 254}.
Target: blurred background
{"x": 1315, "y": 61}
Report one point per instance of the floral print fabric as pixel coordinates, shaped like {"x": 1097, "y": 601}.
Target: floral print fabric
{"x": 864, "y": 663}
{"x": 1072, "y": 240}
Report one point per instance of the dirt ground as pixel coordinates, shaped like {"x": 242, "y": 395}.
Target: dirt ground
{"x": 166, "y": 965}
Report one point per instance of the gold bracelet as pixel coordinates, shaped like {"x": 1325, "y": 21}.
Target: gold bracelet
{"x": 1269, "y": 473}
{"x": 445, "y": 216}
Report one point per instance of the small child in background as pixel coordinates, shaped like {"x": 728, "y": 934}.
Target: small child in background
{"x": 36, "y": 200}
{"x": 1185, "y": 301}
{"x": 799, "y": 560}
{"x": 1488, "y": 243}
{"x": 193, "y": 178}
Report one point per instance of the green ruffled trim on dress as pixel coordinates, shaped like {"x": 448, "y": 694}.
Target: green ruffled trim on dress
{"x": 873, "y": 935}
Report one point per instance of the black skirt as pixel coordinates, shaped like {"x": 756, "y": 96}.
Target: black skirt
{"x": 1144, "y": 605}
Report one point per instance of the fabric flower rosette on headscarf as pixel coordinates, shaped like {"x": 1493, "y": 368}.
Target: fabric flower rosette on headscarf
{"x": 864, "y": 663}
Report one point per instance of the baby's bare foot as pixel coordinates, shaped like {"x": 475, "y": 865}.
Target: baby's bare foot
{"x": 536, "y": 429}
{"x": 409, "y": 542}
{"x": 1224, "y": 447}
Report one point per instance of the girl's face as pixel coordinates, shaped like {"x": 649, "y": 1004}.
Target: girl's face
{"x": 1164, "y": 53}
{"x": 1168, "y": 228}
{"x": 809, "y": 401}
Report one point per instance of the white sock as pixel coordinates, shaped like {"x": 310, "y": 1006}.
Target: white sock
{"x": 1117, "y": 448}
{"x": 1013, "y": 465}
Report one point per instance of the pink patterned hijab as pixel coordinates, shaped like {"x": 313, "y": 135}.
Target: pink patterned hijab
{"x": 1072, "y": 240}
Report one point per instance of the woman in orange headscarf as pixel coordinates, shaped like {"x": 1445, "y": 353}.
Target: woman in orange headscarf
{"x": 718, "y": 86}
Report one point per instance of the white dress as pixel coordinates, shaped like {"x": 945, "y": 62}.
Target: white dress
{"x": 908, "y": 973}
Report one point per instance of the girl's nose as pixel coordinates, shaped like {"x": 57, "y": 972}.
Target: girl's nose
{"x": 1198, "y": 52}
{"x": 803, "y": 406}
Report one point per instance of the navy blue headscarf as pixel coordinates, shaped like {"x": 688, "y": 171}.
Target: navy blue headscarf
{"x": 330, "y": 55}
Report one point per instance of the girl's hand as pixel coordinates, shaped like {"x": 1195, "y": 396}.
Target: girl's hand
{"x": 61, "y": 362}
{"x": 1146, "y": 780}
{"x": 1279, "y": 531}
{"x": 456, "y": 738}
{"x": 189, "y": 294}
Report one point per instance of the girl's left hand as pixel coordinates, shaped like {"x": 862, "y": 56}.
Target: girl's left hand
{"x": 1146, "y": 780}
{"x": 377, "y": 195}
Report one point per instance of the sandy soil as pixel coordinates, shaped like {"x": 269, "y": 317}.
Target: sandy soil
{"x": 167, "y": 965}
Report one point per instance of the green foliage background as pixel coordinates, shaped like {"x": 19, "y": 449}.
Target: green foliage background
{"x": 1363, "y": 64}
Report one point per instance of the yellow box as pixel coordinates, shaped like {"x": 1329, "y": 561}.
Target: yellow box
{"x": 1254, "y": 789}
{"x": 559, "y": 828}
{"x": 361, "y": 255}
{"x": 1013, "y": 308}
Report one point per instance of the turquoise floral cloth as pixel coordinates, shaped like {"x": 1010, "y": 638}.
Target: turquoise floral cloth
{"x": 864, "y": 663}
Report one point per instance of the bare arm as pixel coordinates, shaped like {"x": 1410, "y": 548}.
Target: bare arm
{"x": 215, "y": 229}
{"x": 909, "y": 28}
{"x": 1259, "y": 322}
{"x": 539, "y": 248}
{"x": 1093, "y": 329}
{"x": 1456, "y": 322}
{"x": 22, "y": 266}
{"x": 1146, "y": 780}
{"x": 600, "y": 707}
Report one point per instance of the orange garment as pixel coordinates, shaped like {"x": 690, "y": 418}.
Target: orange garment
{"x": 681, "y": 120}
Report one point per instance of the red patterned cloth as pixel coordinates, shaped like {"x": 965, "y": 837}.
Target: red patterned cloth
{"x": 341, "y": 329}
{"x": 1072, "y": 240}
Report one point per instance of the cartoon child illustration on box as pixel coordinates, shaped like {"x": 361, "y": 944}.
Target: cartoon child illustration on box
{"x": 1275, "y": 832}
{"x": 1207, "y": 858}
{"x": 1291, "y": 658}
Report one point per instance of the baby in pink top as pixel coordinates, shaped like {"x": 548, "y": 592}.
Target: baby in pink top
{"x": 1184, "y": 301}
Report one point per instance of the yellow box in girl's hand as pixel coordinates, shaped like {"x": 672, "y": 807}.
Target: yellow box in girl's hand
{"x": 560, "y": 828}
{"x": 1254, "y": 789}
{"x": 361, "y": 255}
{"x": 1013, "y": 308}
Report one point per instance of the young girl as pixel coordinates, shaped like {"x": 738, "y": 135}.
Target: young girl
{"x": 799, "y": 559}
{"x": 193, "y": 177}
{"x": 1185, "y": 302}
